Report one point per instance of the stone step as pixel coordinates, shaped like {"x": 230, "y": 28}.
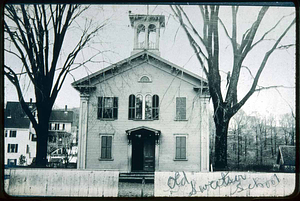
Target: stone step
{"x": 136, "y": 176}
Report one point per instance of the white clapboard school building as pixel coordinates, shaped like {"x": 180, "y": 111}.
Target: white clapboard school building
{"x": 144, "y": 113}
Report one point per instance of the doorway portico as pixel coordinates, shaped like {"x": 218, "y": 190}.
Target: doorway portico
{"x": 143, "y": 149}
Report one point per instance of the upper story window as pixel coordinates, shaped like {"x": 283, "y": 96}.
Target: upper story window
{"x": 143, "y": 107}
{"x": 107, "y": 108}
{"x": 180, "y": 108}
{"x": 13, "y": 134}
{"x": 145, "y": 79}
{"x": 54, "y": 126}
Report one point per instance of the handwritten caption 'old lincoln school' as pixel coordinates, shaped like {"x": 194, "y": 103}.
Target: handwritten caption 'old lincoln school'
{"x": 180, "y": 180}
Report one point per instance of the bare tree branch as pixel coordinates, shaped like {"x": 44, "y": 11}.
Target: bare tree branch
{"x": 236, "y": 107}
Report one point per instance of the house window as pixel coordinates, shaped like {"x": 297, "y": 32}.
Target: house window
{"x": 12, "y": 148}
{"x": 139, "y": 106}
{"x": 27, "y": 149}
{"x": 180, "y": 108}
{"x": 145, "y": 79}
{"x": 13, "y": 134}
{"x": 143, "y": 107}
{"x": 11, "y": 162}
{"x": 131, "y": 110}
{"x": 180, "y": 147}
{"x": 106, "y": 147}
{"x": 34, "y": 138}
{"x": 148, "y": 107}
{"x": 155, "y": 106}
{"x": 107, "y": 107}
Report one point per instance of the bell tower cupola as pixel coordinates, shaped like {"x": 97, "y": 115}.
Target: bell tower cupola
{"x": 146, "y": 32}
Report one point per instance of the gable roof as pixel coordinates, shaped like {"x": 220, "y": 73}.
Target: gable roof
{"x": 61, "y": 116}
{"x": 287, "y": 154}
{"x": 144, "y": 53}
{"x": 15, "y": 117}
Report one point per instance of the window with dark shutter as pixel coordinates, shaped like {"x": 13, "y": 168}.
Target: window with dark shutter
{"x": 12, "y": 148}
{"x": 106, "y": 144}
{"x": 155, "y": 107}
{"x": 131, "y": 108}
{"x": 107, "y": 108}
{"x": 180, "y": 148}
{"x": 180, "y": 108}
{"x": 13, "y": 134}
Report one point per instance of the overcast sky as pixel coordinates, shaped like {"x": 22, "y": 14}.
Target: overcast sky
{"x": 116, "y": 40}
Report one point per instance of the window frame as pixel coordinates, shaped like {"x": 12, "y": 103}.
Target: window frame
{"x": 101, "y": 107}
{"x": 143, "y": 106}
{"x": 11, "y": 133}
{"x": 175, "y": 146}
{"x": 145, "y": 81}
{"x": 177, "y": 117}
{"x": 12, "y": 150}
{"x": 111, "y": 147}
{"x": 14, "y": 162}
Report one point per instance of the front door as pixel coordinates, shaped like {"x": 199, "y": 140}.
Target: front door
{"x": 149, "y": 156}
{"x": 143, "y": 151}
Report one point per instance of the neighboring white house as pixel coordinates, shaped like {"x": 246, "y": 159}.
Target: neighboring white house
{"x": 19, "y": 138}
{"x": 62, "y": 134}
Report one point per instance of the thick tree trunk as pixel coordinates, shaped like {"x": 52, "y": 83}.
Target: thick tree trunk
{"x": 42, "y": 136}
{"x": 42, "y": 141}
{"x": 221, "y": 145}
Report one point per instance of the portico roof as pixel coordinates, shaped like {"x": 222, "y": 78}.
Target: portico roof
{"x": 157, "y": 132}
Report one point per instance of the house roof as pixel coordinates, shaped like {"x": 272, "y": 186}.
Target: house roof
{"x": 61, "y": 116}
{"x": 144, "y": 54}
{"x": 287, "y": 154}
{"x": 15, "y": 117}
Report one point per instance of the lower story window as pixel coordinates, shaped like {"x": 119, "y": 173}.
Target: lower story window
{"x": 11, "y": 162}
{"x": 180, "y": 147}
{"x": 106, "y": 147}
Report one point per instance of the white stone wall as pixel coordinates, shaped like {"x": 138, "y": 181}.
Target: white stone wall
{"x": 223, "y": 184}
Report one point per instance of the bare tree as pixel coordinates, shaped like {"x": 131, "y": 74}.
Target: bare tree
{"x": 287, "y": 123}
{"x": 273, "y": 134}
{"x": 34, "y": 35}
{"x": 238, "y": 125}
{"x": 206, "y": 45}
